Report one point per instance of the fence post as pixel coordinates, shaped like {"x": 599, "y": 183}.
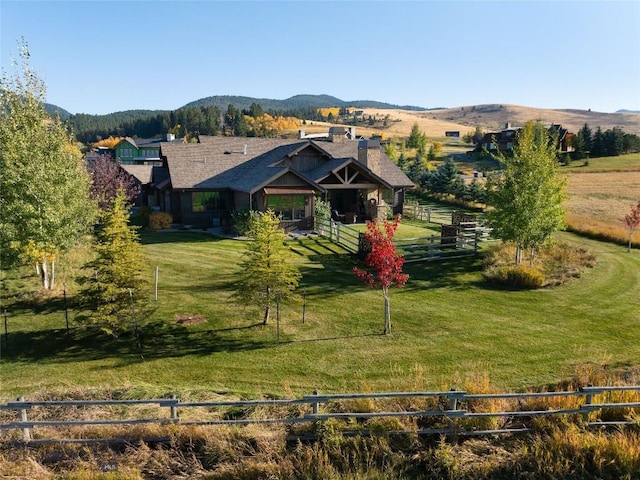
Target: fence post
{"x": 477, "y": 239}
{"x": 174, "y": 408}
{"x": 315, "y": 405}
{"x": 26, "y": 433}
{"x": 452, "y": 401}
{"x": 588, "y": 400}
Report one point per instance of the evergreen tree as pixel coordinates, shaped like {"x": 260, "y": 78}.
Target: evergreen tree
{"x": 527, "y": 198}
{"x": 597, "y": 144}
{"x": 115, "y": 292}
{"x": 414, "y": 137}
{"x": 417, "y": 170}
{"x": 585, "y": 138}
{"x": 613, "y": 142}
{"x": 267, "y": 273}
{"x": 446, "y": 179}
{"x": 44, "y": 188}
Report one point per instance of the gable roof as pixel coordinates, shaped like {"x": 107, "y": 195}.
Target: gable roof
{"x": 221, "y": 163}
{"x": 142, "y": 173}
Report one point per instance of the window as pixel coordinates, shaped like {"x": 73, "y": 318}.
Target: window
{"x": 207, "y": 202}
{"x": 126, "y": 152}
{"x": 150, "y": 153}
{"x": 387, "y": 196}
{"x": 289, "y": 207}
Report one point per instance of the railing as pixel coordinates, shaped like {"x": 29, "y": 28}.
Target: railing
{"x": 339, "y": 233}
{"x": 452, "y": 412}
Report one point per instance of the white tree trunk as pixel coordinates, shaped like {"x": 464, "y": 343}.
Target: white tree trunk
{"x": 45, "y": 274}
{"x": 52, "y": 281}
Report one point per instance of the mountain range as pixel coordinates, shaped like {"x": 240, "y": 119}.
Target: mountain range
{"x": 486, "y": 116}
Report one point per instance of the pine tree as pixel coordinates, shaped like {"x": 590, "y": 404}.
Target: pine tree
{"x": 115, "y": 292}
{"x": 267, "y": 273}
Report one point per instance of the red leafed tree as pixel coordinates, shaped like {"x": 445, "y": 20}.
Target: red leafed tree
{"x": 107, "y": 178}
{"x": 385, "y": 263}
{"x": 632, "y": 220}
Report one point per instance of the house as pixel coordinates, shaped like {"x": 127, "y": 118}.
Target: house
{"x": 139, "y": 151}
{"x": 503, "y": 140}
{"x": 147, "y": 177}
{"x": 207, "y": 181}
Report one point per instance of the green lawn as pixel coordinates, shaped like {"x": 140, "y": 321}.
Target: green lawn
{"x": 626, "y": 162}
{"x": 447, "y": 325}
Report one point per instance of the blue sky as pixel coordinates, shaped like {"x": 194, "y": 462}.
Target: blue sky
{"x": 105, "y": 56}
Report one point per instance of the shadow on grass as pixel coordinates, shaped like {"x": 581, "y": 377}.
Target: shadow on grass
{"x": 149, "y": 237}
{"x": 157, "y": 341}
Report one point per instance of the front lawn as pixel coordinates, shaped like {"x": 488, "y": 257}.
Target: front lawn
{"x": 448, "y": 324}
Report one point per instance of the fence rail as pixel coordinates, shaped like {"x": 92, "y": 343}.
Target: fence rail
{"x": 339, "y": 233}
{"x": 453, "y": 407}
{"x": 462, "y": 234}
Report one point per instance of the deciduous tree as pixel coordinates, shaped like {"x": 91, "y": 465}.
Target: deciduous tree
{"x": 267, "y": 273}
{"x": 526, "y": 199}
{"x": 632, "y": 221}
{"x": 107, "y": 177}
{"x": 44, "y": 188}
{"x": 385, "y": 263}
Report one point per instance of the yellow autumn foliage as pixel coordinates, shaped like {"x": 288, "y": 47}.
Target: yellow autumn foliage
{"x": 266, "y": 124}
{"x": 330, "y": 110}
{"x": 110, "y": 142}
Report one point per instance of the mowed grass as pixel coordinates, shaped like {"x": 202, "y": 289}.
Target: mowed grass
{"x": 448, "y": 325}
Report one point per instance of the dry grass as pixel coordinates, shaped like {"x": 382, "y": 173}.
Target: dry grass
{"x": 561, "y": 447}
{"x": 599, "y": 201}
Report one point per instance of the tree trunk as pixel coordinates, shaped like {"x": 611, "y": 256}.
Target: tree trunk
{"x": 267, "y": 309}
{"x": 45, "y": 274}
{"x": 518, "y": 258}
{"x": 387, "y": 312}
{"x": 533, "y": 256}
{"x": 52, "y": 280}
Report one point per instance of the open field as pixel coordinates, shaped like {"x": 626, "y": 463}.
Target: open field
{"x": 448, "y": 324}
{"x": 599, "y": 199}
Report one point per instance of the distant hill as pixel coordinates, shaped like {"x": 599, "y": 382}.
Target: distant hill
{"x": 627, "y": 111}
{"x": 493, "y": 117}
{"x": 54, "y": 109}
{"x": 295, "y": 102}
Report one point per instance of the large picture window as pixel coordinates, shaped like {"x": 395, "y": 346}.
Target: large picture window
{"x": 289, "y": 207}
{"x": 207, "y": 202}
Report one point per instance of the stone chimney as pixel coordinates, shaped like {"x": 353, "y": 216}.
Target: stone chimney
{"x": 369, "y": 154}
{"x": 300, "y": 134}
{"x": 336, "y": 134}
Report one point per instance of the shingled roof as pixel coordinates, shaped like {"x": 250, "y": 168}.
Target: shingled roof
{"x": 248, "y": 164}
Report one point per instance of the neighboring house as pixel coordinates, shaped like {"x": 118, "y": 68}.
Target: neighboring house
{"x": 503, "y": 140}
{"x": 207, "y": 181}
{"x": 139, "y": 151}
{"x": 148, "y": 177}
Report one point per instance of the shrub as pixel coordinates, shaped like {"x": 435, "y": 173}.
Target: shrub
{"x": 160, "y": 221}
{"x": 244, "y": 220}
{"x": 516, "y": 276}
{"x": 141, "y": 217}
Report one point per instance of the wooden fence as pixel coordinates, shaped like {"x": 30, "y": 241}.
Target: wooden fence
{"x": 339, "y": 233}
{"x": 466, "y": 242}
{"x": 451, "y": 413}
